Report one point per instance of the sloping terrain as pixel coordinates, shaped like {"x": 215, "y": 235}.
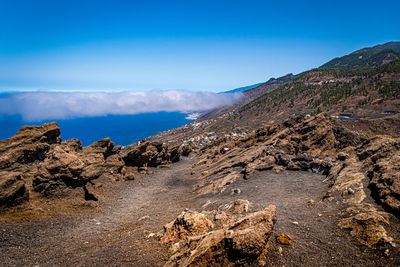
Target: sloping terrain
{"x": 357, "y": 93}
{"x": 206, "y": 207}
{"x": 372, "y": 56}
{"x": 275, "y": 180}
{"x": 36, "y": 166}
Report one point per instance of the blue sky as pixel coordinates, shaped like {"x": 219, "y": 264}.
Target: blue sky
{"x": 191, "y": 45}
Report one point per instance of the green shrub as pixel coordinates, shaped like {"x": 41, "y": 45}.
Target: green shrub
{"x": 362, "y": 136}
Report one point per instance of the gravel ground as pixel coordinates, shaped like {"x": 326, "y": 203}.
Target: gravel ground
{"x": 118, "y": 233}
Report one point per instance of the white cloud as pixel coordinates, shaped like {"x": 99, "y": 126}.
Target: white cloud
{"x": 60, "y": 105}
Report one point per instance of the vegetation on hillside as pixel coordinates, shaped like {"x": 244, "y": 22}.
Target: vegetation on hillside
{"x": 373, "y": 56}
{"x": 366, "y": 82}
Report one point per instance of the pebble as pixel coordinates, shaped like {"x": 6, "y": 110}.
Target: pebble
{"x": 236, "y": 191}
{"x": 151, "y": 235}
{"x": 296, "y": 223}
{"x": 310, "y": 202}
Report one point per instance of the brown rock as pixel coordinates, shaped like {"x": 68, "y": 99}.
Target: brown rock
{"x": 12, "y": 189}
{"x": 30, "y": 144}
{"x": 186, "y": 224}
{"x": 284, "y": 239}
{"x": 366, "y": 223}
{"x": 153, "y": 154}
{"x": 381, "y": 157}
{"x": 239, "y": 243}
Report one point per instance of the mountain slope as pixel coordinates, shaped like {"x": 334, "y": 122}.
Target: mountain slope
{"x": 358, "y": 91}
{"x": 241, "y": 89}
{"x": 372, "y": 56}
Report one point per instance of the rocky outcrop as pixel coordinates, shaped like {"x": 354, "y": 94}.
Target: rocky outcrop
{"x": 70, "y": 165}
{"x": 367, "y": 224}
{"x": 151, "y": 153}
{"x": 321, "y": 145}
{"x": 381, "y": 158}
{"x": 30, "y": 144}
{"x": 35, "y": 160}
{"x": 188, "y": 223}
{"x": 224, "y": 237}
{"x": 12, "y": 189}
{"x": 301, "y": 143}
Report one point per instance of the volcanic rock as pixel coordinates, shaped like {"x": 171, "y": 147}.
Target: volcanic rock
{"x": 381, "y": 157}
{"x": 151, "y": 153}
{"x": 30, "y": 144}
{"x": 241, "y": 240}
{"x": 12, "y": 189}
{"x": 301, "y": 143}
{"x": 70, "y": 165}
{"x": 284, "y": 239}
{"x": 366, "y": 223}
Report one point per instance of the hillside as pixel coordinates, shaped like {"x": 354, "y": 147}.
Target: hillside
{"x": 372, "y": 56}
{"x": 363, "y": 84}
{"x": 249, "y": 95}
{"x": 361, "y": 93}
{"x": 304, "y": 169}
{"x": 296, "y": 192}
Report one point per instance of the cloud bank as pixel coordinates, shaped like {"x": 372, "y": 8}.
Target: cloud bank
{"x": 36, "y": 106}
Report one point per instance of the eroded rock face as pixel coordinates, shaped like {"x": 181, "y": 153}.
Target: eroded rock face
{"x": 320, "y": 145}
{"x": 12, "y": 189}
{"x": 302, "y": 143}
{"x": 229, "y": 238}
{"x": 70, "y": 165}
{"x": 381, "y": 157}
{"x": 188, "y": 223}
{"x": 153, "y": 154}
{"x": 367, "y": 224}
{"x": 42, "y": 163}
{"x": 30, "y": 144}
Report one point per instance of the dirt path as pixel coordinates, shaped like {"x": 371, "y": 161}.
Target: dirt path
{"x": 118, "y": 234}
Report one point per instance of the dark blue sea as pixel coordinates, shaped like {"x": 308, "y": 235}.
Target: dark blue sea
{"x": 122, "y": 129}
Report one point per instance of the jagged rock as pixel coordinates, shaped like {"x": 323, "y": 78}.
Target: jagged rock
{"x": 381, "y": 157}
{"x": 366, "y": 223}
{"x": 240, "y": 206}
{"x": 70, "y": 165}
{"x": 185, "y": 150}
{"x": 186, "y": 224}
{"x": 29, "y": 144}
{"x": 346, "y": 177}
{"x": 284, "y": 239}
{"x": 241, "y": 241}
{"x": 12, "y": 189}
{"x": 152, "y": 154}
{"x": 301, "y": 143}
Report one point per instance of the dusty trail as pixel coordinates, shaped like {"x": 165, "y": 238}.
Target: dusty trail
{"x": 115, "y": 235}
{"x": 118, "y": 234}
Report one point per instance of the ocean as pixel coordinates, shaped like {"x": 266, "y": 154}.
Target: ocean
{"x": 122, "y": 129}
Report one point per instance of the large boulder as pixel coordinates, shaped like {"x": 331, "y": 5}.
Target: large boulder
{"x": 367, "y": 224}
{"x": 241, "y": 239}
{"x": 151, "y": 153}
{"x": 188, "y": 223}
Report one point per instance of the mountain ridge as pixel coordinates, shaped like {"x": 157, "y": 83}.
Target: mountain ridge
{"x": 370, "y": 56}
